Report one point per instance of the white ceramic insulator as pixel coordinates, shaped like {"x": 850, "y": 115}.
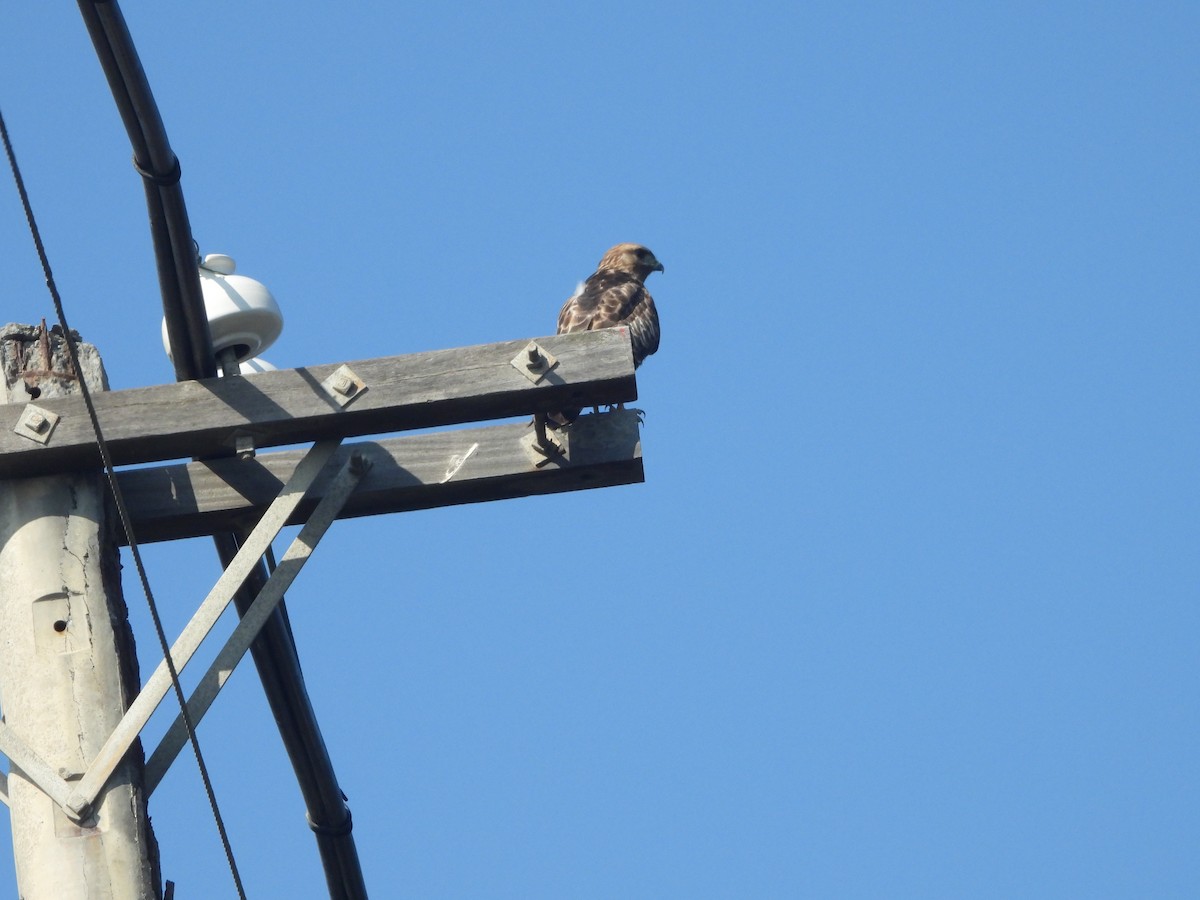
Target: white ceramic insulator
{"x": 241, "y": 311}
{"x": 256, "y": 365}
{"x": 219, "y": 262}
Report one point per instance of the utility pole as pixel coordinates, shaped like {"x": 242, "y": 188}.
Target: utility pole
{"x": 68, "y": 680}
{"x": 67, "y": 665}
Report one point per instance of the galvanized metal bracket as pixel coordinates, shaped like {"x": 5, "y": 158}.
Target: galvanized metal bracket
{"x": 534, "y": 362}
{"x": 84, "y": 792}
{"x": 343, "y": 386}
{"x": 253, "y": 619}
{"x": 243, "y": 444}
{"x": 36, "y": 423}
{"x": 542, "y": 447}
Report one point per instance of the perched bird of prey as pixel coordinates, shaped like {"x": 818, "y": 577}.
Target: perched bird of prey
{"x": 615, "y": 294}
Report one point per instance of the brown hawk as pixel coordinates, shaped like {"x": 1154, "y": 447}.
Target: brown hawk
{"x": 615, "y": 294}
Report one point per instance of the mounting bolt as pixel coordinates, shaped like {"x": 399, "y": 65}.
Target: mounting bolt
{"x": 533, "y": 362}
{"x": 78, "y": 806}
{"x": 344, "y": 384}
{"x": 36, "y": 423}
{"x": 359, "y": 463}
{"x": 243, "y": 444}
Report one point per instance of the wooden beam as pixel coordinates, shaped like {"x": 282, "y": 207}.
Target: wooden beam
{"x": 412, "y": 472}
{"x": 207, "y": 418}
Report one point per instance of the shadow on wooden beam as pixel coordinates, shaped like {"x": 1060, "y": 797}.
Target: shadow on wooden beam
{"x": 412, "y": 472}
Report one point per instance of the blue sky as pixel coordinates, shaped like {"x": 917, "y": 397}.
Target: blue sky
{"x": 907, "y": 604}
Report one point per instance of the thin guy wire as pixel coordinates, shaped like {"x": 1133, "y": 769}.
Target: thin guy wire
{"x": 122, "y": 510}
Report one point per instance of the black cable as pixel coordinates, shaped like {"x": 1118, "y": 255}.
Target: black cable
{"x": 178, "y": 279}
{"x": 122, "y": 510}
{"x": 274, "y": 650}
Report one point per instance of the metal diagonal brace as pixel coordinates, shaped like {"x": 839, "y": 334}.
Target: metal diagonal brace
{"x": 35, "y": 768}
{"x": 126, "y": 732}
{"x": 256, "y": 616}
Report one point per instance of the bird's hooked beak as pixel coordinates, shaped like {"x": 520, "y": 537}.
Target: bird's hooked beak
{"x": 657, "y": 267}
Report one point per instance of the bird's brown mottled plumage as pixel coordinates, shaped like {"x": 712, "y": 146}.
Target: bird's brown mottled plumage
{"x": 615, "y": 294}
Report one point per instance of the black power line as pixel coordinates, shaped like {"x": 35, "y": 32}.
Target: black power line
{"x": 274, "y": 650}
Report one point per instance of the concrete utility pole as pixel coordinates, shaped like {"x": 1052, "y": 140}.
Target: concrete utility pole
{"x": 67, "y": 665}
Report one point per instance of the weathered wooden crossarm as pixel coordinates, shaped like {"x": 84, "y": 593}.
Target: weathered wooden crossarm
{"x": 207, "y": 418}
{"x": 411, "y": 472}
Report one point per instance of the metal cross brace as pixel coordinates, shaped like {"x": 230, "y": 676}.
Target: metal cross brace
{"x": 33, "y": 766}
{"x": 256, "y": 616}
{"x": 77, "y": 799}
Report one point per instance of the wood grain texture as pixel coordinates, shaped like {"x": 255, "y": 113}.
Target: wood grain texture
{"x": 443, "y": 387}
{"x": 412, "y": 472}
